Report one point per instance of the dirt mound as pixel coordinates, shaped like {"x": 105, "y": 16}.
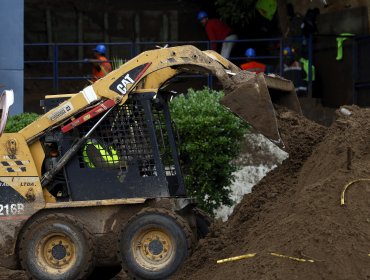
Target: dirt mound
{"x": 7, "y": 274}
{"x": 295, "y": 210}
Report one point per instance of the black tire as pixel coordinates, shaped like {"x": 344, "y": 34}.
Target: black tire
{"x": 105, "y": 272}
{"x": 203, "y": 222}
{"x": 154, "y": 244}
{"x": 56, "y": 246}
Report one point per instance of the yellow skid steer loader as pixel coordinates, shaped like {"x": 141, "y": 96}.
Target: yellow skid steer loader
{"x": 96, "y": 182}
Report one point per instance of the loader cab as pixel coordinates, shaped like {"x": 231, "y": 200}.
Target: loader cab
{"x": 131, "y": 153}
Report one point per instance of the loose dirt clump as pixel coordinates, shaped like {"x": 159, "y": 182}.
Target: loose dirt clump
{"x": 295, "y": 210}
{"x": 7, "y": 274}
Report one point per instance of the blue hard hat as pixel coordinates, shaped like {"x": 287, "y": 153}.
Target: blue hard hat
{"x": 250, "y": 53}
{"x": 288, "y": 51}
{"x": 100, "y": 49}
{"x": 202, "y": 15}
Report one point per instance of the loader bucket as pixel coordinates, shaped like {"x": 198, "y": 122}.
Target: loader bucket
{"x": 252, "y": 100}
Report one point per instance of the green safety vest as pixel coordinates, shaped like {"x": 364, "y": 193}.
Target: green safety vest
{"x": 108, "y": 157}
{"x": 267, "y": 8}
{"x": 305, "y": 68}
{"x": 340, "y": 41}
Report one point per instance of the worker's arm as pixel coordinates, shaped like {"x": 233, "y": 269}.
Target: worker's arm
{"x": 211, "y": 35}
{"x": 101, "y": 65}
{"x": 95, "y": 62}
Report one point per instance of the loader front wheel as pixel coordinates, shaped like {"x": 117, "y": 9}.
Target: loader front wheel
{"x": 154, "y": 244}
{"x": 56, "y": 247}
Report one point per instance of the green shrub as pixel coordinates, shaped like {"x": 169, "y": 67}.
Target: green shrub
{"x": 210, "y": 138}
{"x": 17, "y": 122}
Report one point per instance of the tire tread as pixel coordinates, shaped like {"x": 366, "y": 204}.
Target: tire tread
{"x": 162, "y": 211}
{"x": 38, "y": 221}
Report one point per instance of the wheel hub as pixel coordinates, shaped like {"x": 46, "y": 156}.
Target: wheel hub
{"x": 154, "y": 249}
{"x": 57, "y": 251}
{"x": 155, "y": 246}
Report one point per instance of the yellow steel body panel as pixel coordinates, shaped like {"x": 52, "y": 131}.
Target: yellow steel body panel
{"x": 49, "y": 198}
{"x": 54, "y": 117}
{"x": 38, "y": 155}
{"x": 67, "y": 95}
{"x": 89, "y": 203}
{"x": 18, "y": 170}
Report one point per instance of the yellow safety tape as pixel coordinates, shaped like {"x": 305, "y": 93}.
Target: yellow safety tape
{"x": 291, "y": 258}
{"x": 246, "y": 256}
{"x": 349, "y": 184}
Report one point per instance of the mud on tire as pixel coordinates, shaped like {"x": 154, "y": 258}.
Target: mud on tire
{"x": 56, "y": 246}
{"x": 154, "y": 244}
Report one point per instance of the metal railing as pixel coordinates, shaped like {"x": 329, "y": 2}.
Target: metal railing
{"x": 56, "y": 55}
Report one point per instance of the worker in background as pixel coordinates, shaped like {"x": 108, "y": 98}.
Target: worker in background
{"x": 295, "y": 23}
{"x": 267, "y": 8}
{"x": 309, "y": 25}
{"x": 251, "y": 65}
{"x": 218, "y": 31}
{"x": 305, "y": 64}
{"x": 293, "y": 70}
{"x": 101, "y": 65}
{"x": 95, "y": 153}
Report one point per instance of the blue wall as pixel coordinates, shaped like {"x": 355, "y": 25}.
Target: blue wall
{"x": 11, "y": 50}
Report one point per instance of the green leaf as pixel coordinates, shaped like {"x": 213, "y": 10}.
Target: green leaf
{"x": 210, "y": 138}
{"x": 17, "y": 122}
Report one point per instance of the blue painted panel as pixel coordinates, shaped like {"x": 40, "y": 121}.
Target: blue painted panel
{"x": 13, "y": 79}
{"x": 11, "y": 50}
{"x": 11, "y": 27}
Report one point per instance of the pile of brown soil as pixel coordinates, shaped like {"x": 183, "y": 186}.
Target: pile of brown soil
{"x": 295, "y": 210}
{"x": 7, "y": 274}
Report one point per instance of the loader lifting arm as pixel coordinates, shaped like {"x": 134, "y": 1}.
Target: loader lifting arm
{"x": 246, "y": 94}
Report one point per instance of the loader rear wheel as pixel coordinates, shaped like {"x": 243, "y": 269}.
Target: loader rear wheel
{"x": 154, "y": 244}
{"x": 56, "y": 247}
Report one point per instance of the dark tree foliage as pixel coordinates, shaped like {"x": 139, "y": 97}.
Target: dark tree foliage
{"x": 237, "y": 12}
